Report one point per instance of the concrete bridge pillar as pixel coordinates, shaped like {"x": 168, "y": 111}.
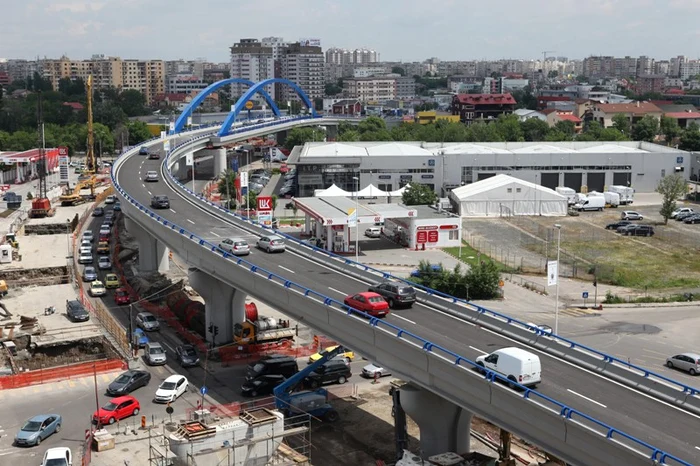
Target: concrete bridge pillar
{"x": 179, "y": 169}
{"x": 219, "y": 161}
{"x": 154, "y": 256}
{"x": 331, "y": 132}
{"x": 443, "y": 425}
{"x": 224, "y": 305}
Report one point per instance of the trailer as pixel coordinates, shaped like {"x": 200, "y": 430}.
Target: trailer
{"x": 625, "y": 192}
{"x": 569, "y": 193}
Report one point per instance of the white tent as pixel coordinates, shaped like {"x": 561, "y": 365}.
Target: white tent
{"x": 503, "y": 195}
{"x": 399, "y": 192}
{"x": 371, "y": 191}
{"x": 333, "y": 191}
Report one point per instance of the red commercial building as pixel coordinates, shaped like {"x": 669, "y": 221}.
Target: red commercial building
{"x": 347, "y": 107}
{"x": 474, "y": 107}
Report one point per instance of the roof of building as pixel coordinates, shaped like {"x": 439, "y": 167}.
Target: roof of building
{"x": 673, "y": 108}
{"x": 675, "y": 91}
{"x": 347, "y": 102}
{"x": 636, "y": 107}
{"x": 485, "y": 99}
{"x": 497, "y": 181}
{"x": 74, "y": 105}
{"x": 683, "y": 115}
{"x": 569, "y": 117}
{"x": 525, "y": 111}
{"x": 548, "y": 110}
{"x": 615, "y": 148}
{"x": 171, "y": 97}
{"x": 552, "y": 98}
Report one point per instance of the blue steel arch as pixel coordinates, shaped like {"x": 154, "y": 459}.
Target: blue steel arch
{"x": 226, "y": 126}
{"x": 182, "y": 119}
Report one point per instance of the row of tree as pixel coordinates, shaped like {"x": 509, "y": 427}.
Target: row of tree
{"x": 479, "y": 282}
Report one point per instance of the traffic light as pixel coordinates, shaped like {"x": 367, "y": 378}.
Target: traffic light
{"x": 216, "y": 330}
{"x": 211, "y": 328}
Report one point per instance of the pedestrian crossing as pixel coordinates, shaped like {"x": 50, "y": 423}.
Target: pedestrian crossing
{"x": 56, "y": 387}
{"x": 578, "y": 312}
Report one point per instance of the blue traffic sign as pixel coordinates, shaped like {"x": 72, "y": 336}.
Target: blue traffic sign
{"x": 203, "y": 390}
{"x": 585, "y": 296}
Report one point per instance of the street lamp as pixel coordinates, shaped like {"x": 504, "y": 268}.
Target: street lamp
{"x": 247, "y": 189}
{"x": 357, "y": 218}
{"x": 556, "y": 305}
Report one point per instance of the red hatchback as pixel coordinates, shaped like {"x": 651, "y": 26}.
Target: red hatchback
{"x": 117, "y": 409}
{"x": 371, "y": 303}
{"x": 121, "y": 296}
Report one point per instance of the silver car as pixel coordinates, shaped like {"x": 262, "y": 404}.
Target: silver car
{"x": 689, "y": 362}
{"x": 235, "y": 246}
{"x": 147, "y": 321}
{"x": 104, "y": 263}
{"x": 151, "y": 176}
{"x": 271, "y": 243}
{"x": 155, "y": 354}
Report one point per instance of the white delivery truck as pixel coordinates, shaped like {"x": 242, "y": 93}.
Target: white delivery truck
{"x": 612, "y": 199}
{"x": 591, "y": 203}
{"x": 626, "y": 194}
{"x": 568, "y": 192}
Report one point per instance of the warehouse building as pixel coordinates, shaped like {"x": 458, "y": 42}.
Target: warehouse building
{"x": 582, "y": 166}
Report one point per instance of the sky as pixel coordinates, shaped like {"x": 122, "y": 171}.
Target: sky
{"x": 408, "y": 30}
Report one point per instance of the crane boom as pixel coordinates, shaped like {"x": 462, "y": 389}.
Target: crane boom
{"x": 90, "y": 162}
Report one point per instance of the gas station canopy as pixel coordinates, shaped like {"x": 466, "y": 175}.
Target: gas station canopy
{"x": 335, "y": 210}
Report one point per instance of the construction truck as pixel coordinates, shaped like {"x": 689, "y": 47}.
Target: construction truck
{"x": 71, "y": 197}
{"x": 262, "y": 330}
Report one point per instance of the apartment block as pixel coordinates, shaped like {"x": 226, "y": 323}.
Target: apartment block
{"x": 338, "y": 56}
{"x": 184, "y": 84}
{"x": 251, "y": 60}
{"x": 303, "y": 65}
{"x": 651, "y": 83}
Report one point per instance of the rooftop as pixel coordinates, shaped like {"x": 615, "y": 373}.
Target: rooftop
{"x": 569, "y": 117}
{"x": 683, "y": 115}
{"x": 635, "y": 107}
{"x": 485, "y": 99}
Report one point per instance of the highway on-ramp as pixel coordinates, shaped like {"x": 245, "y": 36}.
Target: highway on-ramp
{"x": 660, "y": 424}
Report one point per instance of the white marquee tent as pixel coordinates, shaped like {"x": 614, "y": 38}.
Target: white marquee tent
{"x": 503, "y": 195}
{"x": 333, "y": 191}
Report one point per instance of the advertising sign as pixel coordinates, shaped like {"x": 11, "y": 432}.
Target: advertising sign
{"x": 352, "y": 218}
{"x": 189, "y": 159}
{"x": 265, "y": 203}
{"x": 163, "y": 134}
{"x": 166, "y": 145}
{"x": 189, "y": 121}
{"x": 249, "y": 105}
{"x": 421, "y": 237}
{"x": 552, "y": 272}
{"x": 432, "y": 236}
{"x": 244, "y": 179}
{"x": 63, "y": 167}
{"x": 309, "y": 42}
{"x": 172, "y": 126}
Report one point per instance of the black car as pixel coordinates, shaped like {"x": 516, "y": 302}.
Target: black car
{"x": 683, "y": 215}
{"x": 76, "y": 311}
{"x": 160, "y": 202}
{"x": 154, "y": 156}
{"x": 333, "y": 371}
{"x": 640, "y": 230}
{"x": 396, "y": 294}
{"x": 624, "y": 228}
{"x": 187, "y": 355}
{"x": 616, "y": 225}
{"x": 98, "y": 212}
{"x": 108, "y": 221}
{"x": 263, "y": 385}
{"x": 692, "y": 219}
{"x": 272, "y": 364}
{"x": 128, "y": 381}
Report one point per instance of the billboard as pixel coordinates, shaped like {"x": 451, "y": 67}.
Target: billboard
{"x": 308, "y": 42}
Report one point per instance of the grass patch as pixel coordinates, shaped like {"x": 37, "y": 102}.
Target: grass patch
{"x": 471, "y": 256}
{"x": 289, "y": 221}
{"x": 611, "y": 298}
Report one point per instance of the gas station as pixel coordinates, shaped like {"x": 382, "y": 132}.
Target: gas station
{"x": 26, "y": 165}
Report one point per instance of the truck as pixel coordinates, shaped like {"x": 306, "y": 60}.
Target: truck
{"x": 592, "y": 203}
{"x": 612, "y": 199}
{"x": 626, "y": 193}
{"x": 569, "y": 193}
{"x": 262, "y": 330}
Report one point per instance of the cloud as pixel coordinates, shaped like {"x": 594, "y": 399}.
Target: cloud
{"x": 130, "y": 32}
{"x": 76, "y": 7}
{"x": 82, "y": 28}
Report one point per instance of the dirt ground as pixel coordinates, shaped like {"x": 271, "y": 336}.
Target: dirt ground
{"x": 59, "y": 355}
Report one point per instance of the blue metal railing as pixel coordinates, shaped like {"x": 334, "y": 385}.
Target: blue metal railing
{"x": 402, "y": 334}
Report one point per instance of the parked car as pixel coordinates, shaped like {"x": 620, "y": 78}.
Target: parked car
{"x": 271, "y": 243}
{"x": 111, "y": 281}
{"x": 171, "y": 389}
{"x": 160, "y": 202}
{"x": 37, "y": 429}
{"x": 372, "y": 371}
{"x": 616, "y": 225}
{"x": 121, "y": 296}
{"x": 515, "y": 364}
{"x": 333, "y": 371}
{"x": 97, "y": 289}
{"x": 89, "y": 274}
{"x": 624, "y": 228}
{"x": 151, "y": 175}
{"x": 235, "y": 246}
{"x": 117, "y": 409}
{"x": 147, "y": 321}
{"x": 371, "y": 303}
{"x": 695, "y": 218}
{"x": 98, "y": 212}
{"x": 76, "y": 311}
{"x": 396, "y": 294}
{"x": 263, "y": 385}
{"x": 155, "y": 354}
{"x": 87, "y": 235}
{"x": 434, "y": 268}
{"x": 275, "y": 364}
{"x": 345, "y": 354}
{"x": 128, "y": 381}
{"x": 187, "y": 355}
{"x": 631, "y": 215}
{"x": 373, "y": 232}
{"x": 104, "y": 263}
{"x": 683, "y": 215}
{"x": 140, "y": 338}
{"x": 681, "y": 210}
{"x": 689, "y": 362}
{"x": 639, "y": 230}
{"x": 58, "y": 456}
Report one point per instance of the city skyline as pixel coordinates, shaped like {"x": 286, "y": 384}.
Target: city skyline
{"x": 451, "y": 30}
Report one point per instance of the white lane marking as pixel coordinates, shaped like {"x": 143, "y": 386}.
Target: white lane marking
{"x": 654, "y": 352}
{"x": 150, "y": 193}
{"x": 586, "y": 398}
{"x": 403, "y": 318}
{"x": 171, "y": 210}
{"x": 285, "y": 268}
{"x": 190, "y": 221}
{"x": 218, "y": 236}
{"x": 478, "y": 350}
{"x": 697, "y": 448}
{"x": 337, "y": 291}
{"x": 170, "y": 348}
{"x": 143, "y": 184}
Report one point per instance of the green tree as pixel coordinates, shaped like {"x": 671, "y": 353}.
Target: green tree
{"x": 593, "y": 128}
{"x": 22, "y": 140}
{"x": 227, "y": 184}
{"x": 553, "y": 74}
{"x": 525, "y": 98}
{"x": 483, "y": 132}
{"x": 398, "y": 70}
{"x": 104, "y": 140}
{"x": 567, "y": 127}
{"x": 621, "y": 123}
{"x": 557, "y": 135}
{"x": 332, "y": 89}
{"x": 534, "y": 129}
{"x": 349, "y": 136}
{"x": 612, "y": 134}
{"x": 419, "y": 194}
{"x": 482, "y": 280}
{"x": 509, "y": 128}
{"x": 690, "y": 138}
{"x": 646, "y": 129}
{"x": 669, "y": 128}
{"x": 671, "y": 188}
{"x": 371, "y": 124}
{"x": 132, "y": 102}
{"x": 300, "y": 136}
{"x": 109, "y": 113}
{"x": 4, "y": 140}
{"x": 138, "y": 132}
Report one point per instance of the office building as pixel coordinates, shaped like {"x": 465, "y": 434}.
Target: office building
{"x": 302, "y": 64}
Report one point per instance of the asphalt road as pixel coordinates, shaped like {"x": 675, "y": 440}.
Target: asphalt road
{"x": 643, "y": 417}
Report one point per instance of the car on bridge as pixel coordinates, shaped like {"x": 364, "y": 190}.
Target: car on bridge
{"x": 151, "y": 175}
{"x": 396, "y": 294}
{"x": 160, "y": 202}
{"x": 369, "y": 302}
{"x": 515, "y": 364}
{"x": 271, "y": 243}
{"x": 143, "y": 150}
{"x": 154, "y": 156}
{"x": 235, "y": 246}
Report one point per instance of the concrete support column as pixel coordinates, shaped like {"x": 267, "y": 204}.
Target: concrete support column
{"x": 153, "y": 255}
{"x": 331, "y": 132}
{"x": 224, "y": 305}
{"x": 219, "y": 161}
{"x": 181, "y": 171}
{"x": 307, "y": 224}
{"x": 443, "y": 426}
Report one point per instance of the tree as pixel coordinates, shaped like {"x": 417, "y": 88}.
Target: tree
{"x": 671, "y": 187}
{"x": 690, "y": 138}
{"x": 332, "y": 89}
{"x": 534, "y": 129}
{"x": 621, "y": 123}
{"x": 509, "y": 128}
{"x": 398, "y": 70}
{"x": 349, "y": 136}
{"x": 371, "y": 124}
{"x": 482, "y": 280}
{"x": 567, "y": 127}
{"x": 646, "y": 129}
{"x": 669, "y": 128}
{"x": 300, "y": 136}
{"x": 593, "y": 128}
{"x": 138, "y": 132}
{"x": 132, "y": 102}
{"x": 525, "y": 98}
{"x": 483, "y": 132}
{"x": 419, "y": 194}
{"x": 611, "y": 134}
{"x": 227, "y": 184}
{"x": 553, "y": 74}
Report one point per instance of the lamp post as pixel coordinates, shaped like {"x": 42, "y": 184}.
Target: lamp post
{"x": 556, "y": 305}
{"x": 131, "y": 329}
{"x": 357, "y": 218}
{"x": 247, "y": 189}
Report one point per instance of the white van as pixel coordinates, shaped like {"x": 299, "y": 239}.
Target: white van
{"x": 592, "y": 203}
{"x": 515, "y": 364}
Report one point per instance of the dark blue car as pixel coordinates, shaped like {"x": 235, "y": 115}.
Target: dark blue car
{"x": 143, "y": 151}
{"x": 435, "y": 268}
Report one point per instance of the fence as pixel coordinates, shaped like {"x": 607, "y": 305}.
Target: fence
{"x": 243, "y": 354}
{"x": 55, "y": 374}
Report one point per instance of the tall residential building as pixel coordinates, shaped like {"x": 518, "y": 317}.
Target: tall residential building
{"x": 599, "y": 67}
{"x": 304, "y": 66}
{"x": 689, "y": 69}
{"x": 277, "y": 44}
{"x": 252, "y": 61}
{"x": 190, "y": 67}
{"x": 338, "y": 56}
{"x": 21, "y": 69}
{"x": 645, "y": 65}
{"x": 184, "y": 84}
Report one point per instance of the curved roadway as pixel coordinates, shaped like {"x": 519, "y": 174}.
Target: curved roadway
{"x": 648, "y": 419}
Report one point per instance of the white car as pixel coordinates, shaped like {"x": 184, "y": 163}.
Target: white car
{"x": 372, "y": 370}
{"x": 85, "y": 258}
{"x": 86, "y": 243}
{"x": 236, "y": 246}
{"x": 151, "y": 176}
{"x": 85, "y": 249}
{"x": 97, "y": 289}
{"x": 271, "y": 243}
{"x": 105, "y": 230}
{"x": 373, "y": 232}
{"x": 171, "y": 389}
{"x": 682, "y": 210}
{"x": 111, "y": 199}
{"x": 87, "y": 235}
{"x": 59, "y": 456}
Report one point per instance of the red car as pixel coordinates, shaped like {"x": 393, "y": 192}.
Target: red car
{"x": 104, "y": 238}
{"x": 121, "y": 296}
{"x": 117, "y": 409}
{"x": 371, "y": 303}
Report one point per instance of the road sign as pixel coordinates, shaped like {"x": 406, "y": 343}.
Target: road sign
{"x": 352, "y": 218}
{"x": 244, "y": 179}
{"x": 203, "y": 391}
{"x": 501, "y": 283}
{"x": 585, "y": 295}
{"x": 265, "y": 203}
{"x": 189, "y": 159}
{"x": 249, "y": 105}
{"x": 169, "y": 409}
{"x": 172, "y": 126}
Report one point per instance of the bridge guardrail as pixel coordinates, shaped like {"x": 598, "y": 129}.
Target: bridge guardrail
{"x": 611, "y": 433}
